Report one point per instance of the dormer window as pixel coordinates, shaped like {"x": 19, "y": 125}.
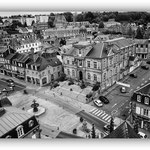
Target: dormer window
{"x": 20, "y": 131}
{"x": 80, "y": 52}
{"x": 138, "y": 98}
{"x": 146, "y": 100}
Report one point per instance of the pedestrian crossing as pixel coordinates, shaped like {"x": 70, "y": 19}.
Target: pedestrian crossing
{"x": 101, "y": 114}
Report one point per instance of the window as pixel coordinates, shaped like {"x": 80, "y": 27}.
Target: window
{"x": 20, "y": 131}
{"x": 88, "y": 64}
{"x": 80, "y": 62}
{"x": 145, "y": 112}
{"x": 89, "y": 76}
{"x": 95, "y": 77}
{"x": 146, "y": 100}
{"x": 104, "y": 77}
{"x": 73, "y": 73}
{"x": 141, "y": 46}
{"x": 95, "y": 65}
{"x": 138, "y": 110}
{"x": 146, "y": 46}
{"x": 138, "y": 98}
{"x": 67, "y": 61}
{"x": 68, "y": 71}
{"x": 79, "y": 51}
{"x": 31, "y": 123}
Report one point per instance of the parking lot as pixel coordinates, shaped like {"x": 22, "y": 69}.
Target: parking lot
{"x": 5, "y": 85}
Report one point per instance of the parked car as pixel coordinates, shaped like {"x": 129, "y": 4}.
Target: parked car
{"x": 107, "y": 127}
{"x": 98, "y": 103}
{"x": 70, "y": 82}
{"x": 11, "y": 84}
{"x": 133, "y": 75}
{"x": 148, "y": 62}
{"x": 104, "y": 99}
{"x": 142, "y": 135}
{"x": 145, "y": 67}
{"x": 10, "y": 80}
{"x": 123, "y": 90}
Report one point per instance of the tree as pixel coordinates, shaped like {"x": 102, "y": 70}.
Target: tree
{"x": 89, "y": 16}
{"x": 139, "y": 34}
{"x": 130, "y": 31}
{"x": 33, "y": 22}
{"x": 111, "y": 125}
{"x": 93, "y": 134}
{"x": 51, "y": 22}
{"x": 79, "y": 17}
{"x": 101, "y": 25}
{"x": 25, "y": 24}
{"x": 68, "y": 16}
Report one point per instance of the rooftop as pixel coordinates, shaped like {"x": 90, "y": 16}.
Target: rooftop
{"x": 144, "y": 89}
{"x": 123, "y": 131}
{"x": 12, "y": 118}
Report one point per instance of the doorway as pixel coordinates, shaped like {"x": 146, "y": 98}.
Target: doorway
{"x": 80, "y": 75}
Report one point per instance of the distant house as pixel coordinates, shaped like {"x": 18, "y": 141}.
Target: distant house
{"x": 16, "y": 123}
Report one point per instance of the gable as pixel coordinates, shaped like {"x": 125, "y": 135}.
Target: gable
{"x": 111, "y": 52}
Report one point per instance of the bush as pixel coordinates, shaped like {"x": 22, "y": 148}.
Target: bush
{"x": 70, "y": 82}
{"x": 81, "y": 119}
{"x": 82, "y": 86}
{"x": 89, "y": 95}
{"x": 74, "y": 131}
{"x": 55, "y": 84}
{"x": 62, "y": 77}
{"x": 96, "y": 86}
{"x": 25, "y": 92}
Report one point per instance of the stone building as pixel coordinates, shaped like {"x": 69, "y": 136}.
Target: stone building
{"x": 105, "y": 62}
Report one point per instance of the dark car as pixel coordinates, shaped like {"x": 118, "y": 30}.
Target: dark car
{"x": 133, "y": 75}
{"x": 10, "y": 80}
{"x": 145, "y": 67}
{"x": 148, "y": 62}
{"x": 104, "y": 99}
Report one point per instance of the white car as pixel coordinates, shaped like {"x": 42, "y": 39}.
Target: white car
{"x": 98, "y": 103}
{"x": 143, "y": 135}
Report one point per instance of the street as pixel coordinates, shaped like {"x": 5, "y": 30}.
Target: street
{"x": 4, "y": 84}
{"x": 119, "y": 102}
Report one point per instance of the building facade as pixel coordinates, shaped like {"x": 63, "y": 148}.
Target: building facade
{"x": 105, "y": 62}
{"x": 140, "y": 107}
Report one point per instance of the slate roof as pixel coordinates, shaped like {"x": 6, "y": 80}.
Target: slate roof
{"x": 145, "y": 89}
{"x": 10, "y": 56}
{"x": 12, "y": 118}
{"x": 96, "y": 51}
{"x": 123, "y": 131}
{"x": 5, "y": 102}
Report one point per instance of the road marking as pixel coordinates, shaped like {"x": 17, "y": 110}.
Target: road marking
{"x": 97, "y": 112}
{"x": 100, "y": 113}
{"x": 108, "y": 120}
{"x": 105, "y": 116}
{"x": 114, "y": 105}
{"x": 93, "y": 109}
{"x": 130, "y": 90}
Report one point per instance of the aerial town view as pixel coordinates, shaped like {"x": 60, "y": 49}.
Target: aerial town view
{"x": 75, "y": 75}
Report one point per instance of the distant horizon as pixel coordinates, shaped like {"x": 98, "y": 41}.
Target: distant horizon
{"x": 8, "y": 14}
